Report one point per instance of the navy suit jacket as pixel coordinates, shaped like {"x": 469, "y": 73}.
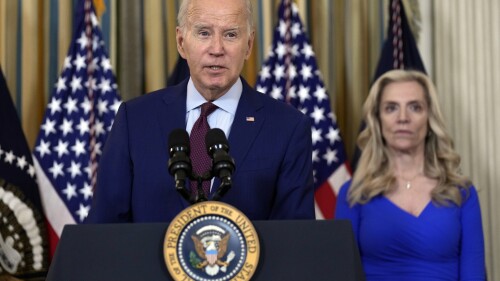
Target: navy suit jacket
{"x": 273, "y": 176}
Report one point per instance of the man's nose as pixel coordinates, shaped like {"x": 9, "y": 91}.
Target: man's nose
{"x": 217, "y": 47}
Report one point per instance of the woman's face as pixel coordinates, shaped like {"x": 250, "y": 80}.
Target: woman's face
{"x": 404, "y": 115}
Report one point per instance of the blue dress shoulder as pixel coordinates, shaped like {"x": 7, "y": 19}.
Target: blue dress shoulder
{"x": 442, "y": 243}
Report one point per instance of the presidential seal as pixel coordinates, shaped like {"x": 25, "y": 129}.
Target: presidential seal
{"x": 211, "y": 241}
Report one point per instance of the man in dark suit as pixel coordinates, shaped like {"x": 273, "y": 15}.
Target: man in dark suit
{"x": 270, "y": 141}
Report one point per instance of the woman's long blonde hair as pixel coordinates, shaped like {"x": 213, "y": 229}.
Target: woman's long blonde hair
{"x": 374, "y": 174}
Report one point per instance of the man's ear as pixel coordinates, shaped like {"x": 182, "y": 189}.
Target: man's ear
{"x": 180, "y": 42}
{"x": 250, "y": 44}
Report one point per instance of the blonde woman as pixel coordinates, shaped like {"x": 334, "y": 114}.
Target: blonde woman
{"x": 414, "y": 215}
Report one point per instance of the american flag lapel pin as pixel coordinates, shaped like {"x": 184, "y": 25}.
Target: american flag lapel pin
{"x": 250, "y": 119}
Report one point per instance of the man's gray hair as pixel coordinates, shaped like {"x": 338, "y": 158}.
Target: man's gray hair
{"x": 183, "y": 12}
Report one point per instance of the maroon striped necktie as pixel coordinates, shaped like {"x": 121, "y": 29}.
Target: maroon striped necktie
{"x": 199, "y": 157}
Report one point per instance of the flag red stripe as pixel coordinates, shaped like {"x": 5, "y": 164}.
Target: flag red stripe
{"x": 53, "y": 239}
{"x": 326, "y": 199}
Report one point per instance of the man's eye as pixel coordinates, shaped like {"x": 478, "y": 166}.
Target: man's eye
{"x": 203, "y": 33}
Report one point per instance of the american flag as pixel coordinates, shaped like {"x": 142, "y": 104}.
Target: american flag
{"x": 291, "y": 74}
{"x": 77, "y": 121}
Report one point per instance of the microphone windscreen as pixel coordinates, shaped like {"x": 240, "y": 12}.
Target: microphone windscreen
{"x": 178, "y": 137}
{"x": 215, "y": 136}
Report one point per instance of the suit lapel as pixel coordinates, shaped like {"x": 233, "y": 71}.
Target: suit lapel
{"x": 247, "y": 123}
{"x": 173, "y": 116}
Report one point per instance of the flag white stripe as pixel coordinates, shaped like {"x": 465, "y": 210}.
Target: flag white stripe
{"x": 338, "y": 178}
{"x": 317, "y": 210}
{"x": 55, "y": 210}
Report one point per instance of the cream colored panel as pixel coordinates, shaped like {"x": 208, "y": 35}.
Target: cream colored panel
{"x": 154, "y": 48}
{"x": 8, "y": 43}
{"x": 65, "y": 30}
{"x": 113, "y": 41}
{"x": 467, "y": 67}
{"x": 426, "y": 33}
{"x": 171, "y": 23}
{"x": 32, "y": 70}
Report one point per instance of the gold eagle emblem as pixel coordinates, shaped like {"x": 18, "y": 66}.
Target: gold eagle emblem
{"x": 212, "y": 250}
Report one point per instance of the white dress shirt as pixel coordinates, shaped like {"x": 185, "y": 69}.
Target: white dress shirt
{"x": 222, "y": 117}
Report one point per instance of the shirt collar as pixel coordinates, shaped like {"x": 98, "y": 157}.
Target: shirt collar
{"x": 228, "y": 102}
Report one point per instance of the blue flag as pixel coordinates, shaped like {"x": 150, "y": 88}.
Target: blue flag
{"x": 291, "y": 74}
{"x": 77, "y": 121}
{"x": 399, "y": 51}
{"x": 181, "y": 72}
{"x": 23, "y": 235}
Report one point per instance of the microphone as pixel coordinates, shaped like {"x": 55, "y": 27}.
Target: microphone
{"x": 222, "y": 164}
{"x": 179, "y": 164}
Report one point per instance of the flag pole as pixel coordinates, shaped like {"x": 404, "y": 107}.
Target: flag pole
{"x": 288, "y": 46}
{"x": 90, "y": 92}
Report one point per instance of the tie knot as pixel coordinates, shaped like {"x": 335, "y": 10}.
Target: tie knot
{"x": 207, "y": 108}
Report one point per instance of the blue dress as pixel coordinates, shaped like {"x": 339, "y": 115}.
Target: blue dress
{"x": 442, "y": 243}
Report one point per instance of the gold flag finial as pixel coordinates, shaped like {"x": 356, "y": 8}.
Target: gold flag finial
{"x": 100, "y": 8}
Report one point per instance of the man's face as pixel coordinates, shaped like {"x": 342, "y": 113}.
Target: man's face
{"x": 215, "y": 43}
